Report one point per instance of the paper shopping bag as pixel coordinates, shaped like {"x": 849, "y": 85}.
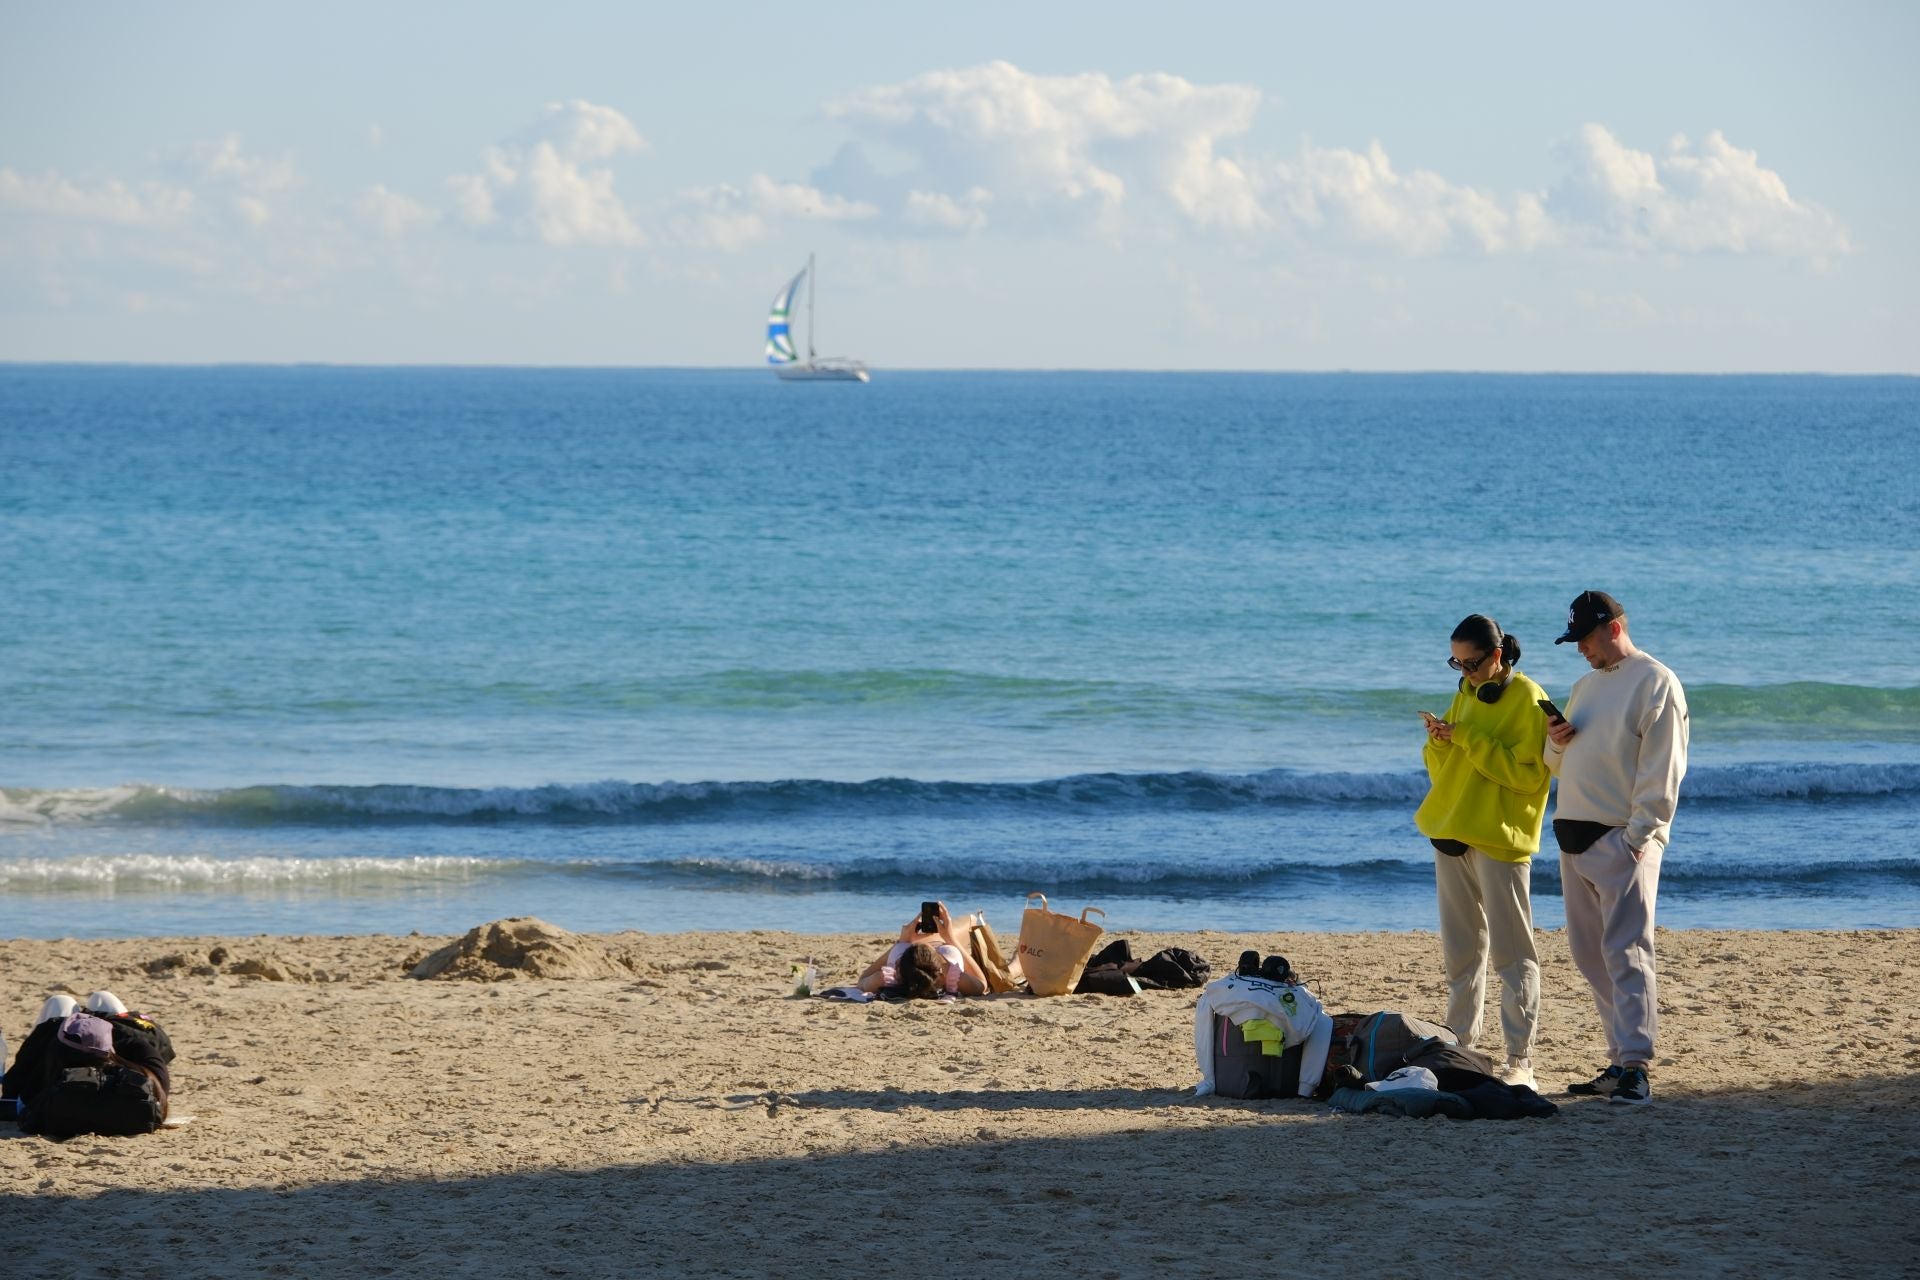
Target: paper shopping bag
{"x": 1054, "y": 948}
{"x": 991, "y": 961}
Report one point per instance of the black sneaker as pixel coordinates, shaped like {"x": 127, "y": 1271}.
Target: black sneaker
{"x": 1633, "y": 1088}
{"x": 1602, "y": 1083}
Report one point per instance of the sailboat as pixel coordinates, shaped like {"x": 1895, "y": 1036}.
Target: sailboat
{"x": 785, "y": 358}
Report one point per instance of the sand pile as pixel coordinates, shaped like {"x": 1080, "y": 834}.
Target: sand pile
{"x": 522, "y": 947}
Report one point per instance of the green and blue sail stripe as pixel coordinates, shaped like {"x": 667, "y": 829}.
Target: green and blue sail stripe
{"x": 780, "y": 349}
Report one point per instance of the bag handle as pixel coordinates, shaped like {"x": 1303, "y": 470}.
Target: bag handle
{"x": 1041, "y": 896}
{"x": 1097, "y": 911}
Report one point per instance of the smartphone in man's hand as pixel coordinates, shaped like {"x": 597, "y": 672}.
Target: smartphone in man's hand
{"x": 1553, "y": 712}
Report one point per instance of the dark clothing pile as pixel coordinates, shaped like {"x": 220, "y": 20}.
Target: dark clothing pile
{"x": 1468, "y": 1089}
{"x": 1173, "y": 969}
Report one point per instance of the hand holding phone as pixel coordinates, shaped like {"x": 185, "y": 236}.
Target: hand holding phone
{"x": 929, "y": 917}
{"x": 1553, "y": 712}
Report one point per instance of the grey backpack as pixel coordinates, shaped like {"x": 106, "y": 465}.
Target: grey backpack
{"x": 1379, "y": 1043}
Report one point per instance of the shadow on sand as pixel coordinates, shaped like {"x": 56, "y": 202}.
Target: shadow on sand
{"x": 1809, "y": 1181}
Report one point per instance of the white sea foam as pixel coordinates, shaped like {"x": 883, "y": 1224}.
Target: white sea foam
{"x": 189, "y": 872}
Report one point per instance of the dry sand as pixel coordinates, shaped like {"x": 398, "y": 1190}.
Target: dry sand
{"x": 686, "y": 1119}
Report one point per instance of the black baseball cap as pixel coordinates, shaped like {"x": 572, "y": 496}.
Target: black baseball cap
{"x": 1588, "y": 610}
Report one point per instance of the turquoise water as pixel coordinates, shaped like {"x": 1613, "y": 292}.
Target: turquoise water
{"x": 298, "y": 649}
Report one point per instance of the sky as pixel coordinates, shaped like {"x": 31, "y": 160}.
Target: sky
{"x": 1396, "y": 186}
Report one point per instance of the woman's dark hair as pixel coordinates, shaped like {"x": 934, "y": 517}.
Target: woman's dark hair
{"x": 920, "y": 973}
{"x": 1484, "y": 633}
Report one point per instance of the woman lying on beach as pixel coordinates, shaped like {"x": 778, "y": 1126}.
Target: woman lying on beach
{"x": 926, "y": 963}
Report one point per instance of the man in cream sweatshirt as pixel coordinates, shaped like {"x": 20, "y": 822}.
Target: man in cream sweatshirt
{"x": 1619, "y": 755}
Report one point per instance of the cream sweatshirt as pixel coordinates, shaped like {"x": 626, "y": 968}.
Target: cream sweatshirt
{"x": 1628, "y": 753}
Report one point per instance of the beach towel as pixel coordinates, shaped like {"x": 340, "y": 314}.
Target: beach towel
{"x": 1054, "y": 948}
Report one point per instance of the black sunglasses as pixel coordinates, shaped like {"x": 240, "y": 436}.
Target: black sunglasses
{"x": 1469, "y": 667}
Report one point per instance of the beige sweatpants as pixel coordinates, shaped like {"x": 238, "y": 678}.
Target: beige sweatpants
{"x": 1610, "y": 900}
{"x": 1486, "y": 916}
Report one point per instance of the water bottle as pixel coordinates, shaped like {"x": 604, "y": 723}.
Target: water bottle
{"x": 805, "y": 978}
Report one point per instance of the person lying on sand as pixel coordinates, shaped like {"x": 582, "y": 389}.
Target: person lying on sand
{"x": 926, "y": 962}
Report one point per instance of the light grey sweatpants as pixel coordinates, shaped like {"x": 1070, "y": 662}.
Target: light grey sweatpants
{"x": 1610, "y": 900}
{"x": 1486, "y": 915}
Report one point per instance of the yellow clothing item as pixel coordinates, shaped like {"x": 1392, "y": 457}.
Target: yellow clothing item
{"x": 1272, "y": 1039}
{"x": 1489, "y": 784}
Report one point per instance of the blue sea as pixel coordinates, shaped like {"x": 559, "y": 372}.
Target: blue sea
{"x": 326, "y": 650}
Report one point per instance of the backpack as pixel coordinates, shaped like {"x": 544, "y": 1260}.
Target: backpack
{"x": 1378, "y": 1043}
{"x": 67, "y": 1086}
{"x": 1244, "y": 1064}
{"x": 110, "y": 1097}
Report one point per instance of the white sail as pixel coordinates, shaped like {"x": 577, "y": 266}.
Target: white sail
{"x": 779, "y": 332}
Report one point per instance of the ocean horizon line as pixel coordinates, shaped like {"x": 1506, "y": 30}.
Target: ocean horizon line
{"x": 1119, "y": 371}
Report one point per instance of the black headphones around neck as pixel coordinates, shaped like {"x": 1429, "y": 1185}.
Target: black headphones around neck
{"x": 1489, "y": 692}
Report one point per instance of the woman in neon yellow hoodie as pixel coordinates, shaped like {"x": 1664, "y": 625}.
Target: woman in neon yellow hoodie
{"x": 1483, "y": 814}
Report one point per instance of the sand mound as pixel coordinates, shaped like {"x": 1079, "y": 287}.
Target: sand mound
{"x": 522, "y": 947}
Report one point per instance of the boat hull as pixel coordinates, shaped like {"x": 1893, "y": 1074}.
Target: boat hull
{"x": 822, "y": 371}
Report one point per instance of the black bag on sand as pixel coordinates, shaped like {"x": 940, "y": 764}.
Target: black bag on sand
{"x": 1241, "y": 1069}
{"x": 113, "y": 1099}
{"x": 64, "y": 1091}
{"x": 1172, "y": 969}
{"x": 1455, "y": 1066}
{"x": 1175, "y": 968}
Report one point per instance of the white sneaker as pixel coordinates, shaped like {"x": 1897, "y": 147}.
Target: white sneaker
{"x": 1519, "y": 1071}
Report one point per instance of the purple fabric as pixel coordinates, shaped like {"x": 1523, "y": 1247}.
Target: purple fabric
{"x": 86, "y": 1033}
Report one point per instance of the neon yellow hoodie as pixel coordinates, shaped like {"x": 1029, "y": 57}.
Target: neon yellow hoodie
{"x": 1489, "y": 784}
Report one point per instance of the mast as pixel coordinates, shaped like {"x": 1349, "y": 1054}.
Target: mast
{"x": 809, "y": 308}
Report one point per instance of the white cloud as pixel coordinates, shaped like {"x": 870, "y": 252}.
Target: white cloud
{"x": 1058, "y": 153}
{"x": 728, "y": 218}
{"x": 540, "y": 186}
{"x": 54, "y": 196}
{"x": 939, "y": 211}
{"x": 582, "y": 132}
{"x": 1713, "y": 198}
{"x": 225, "y": 161}
{"x": 1074, "y": 147}
{"x": 390, "y": 214}
{"x": 248, "y": 185}
{"x": 1359, "y": 197}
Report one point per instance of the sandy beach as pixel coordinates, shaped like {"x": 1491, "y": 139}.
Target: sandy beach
{"x": 686, "y": 1118}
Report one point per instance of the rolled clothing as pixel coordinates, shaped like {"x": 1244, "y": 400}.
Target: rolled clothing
{"x": 1414, "y": 1104}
